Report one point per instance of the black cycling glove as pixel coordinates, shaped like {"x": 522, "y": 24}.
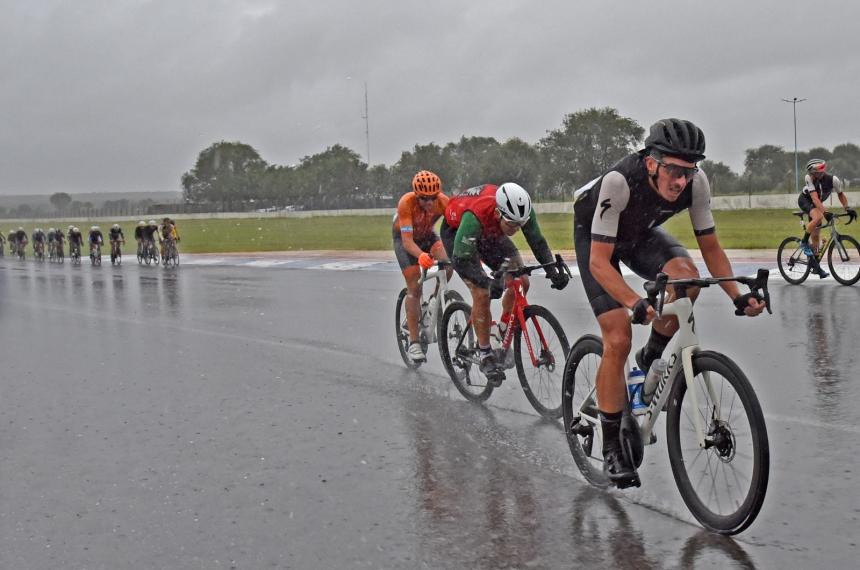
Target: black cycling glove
{"x": 743, "y": 301}
{"x": 559, "y": 279}
{"x": 640, "y": 311}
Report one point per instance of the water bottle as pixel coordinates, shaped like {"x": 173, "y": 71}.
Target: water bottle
{"x": 635, "y": 382}
{"x": 428, "y": 311}
{"x": 658, "y": 368}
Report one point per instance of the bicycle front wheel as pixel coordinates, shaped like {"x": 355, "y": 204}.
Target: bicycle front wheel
{"x": 401, "y": 330}
{"x": 844, "y": 260}
{"x": 793, "y": 264}
{"x": 579, "y": 409}
{"x": 458, "y": 347}
{"x": 724, "y": 483}
{"x": 539, "y": 352}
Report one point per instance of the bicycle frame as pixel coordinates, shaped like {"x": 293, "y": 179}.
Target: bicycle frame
{"x": 440, "y": 292}
{"x": 685, "y": 346}
{"x": 520, "y": 305}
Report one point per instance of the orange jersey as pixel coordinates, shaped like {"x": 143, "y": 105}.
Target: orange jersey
{"x": 411, "y": 217}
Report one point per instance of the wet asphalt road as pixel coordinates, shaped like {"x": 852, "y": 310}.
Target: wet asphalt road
{"x": 230, "y": 417}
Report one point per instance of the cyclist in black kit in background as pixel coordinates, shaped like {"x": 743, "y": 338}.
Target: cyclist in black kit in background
{"x": 816, "y": 190}
{"x": 617, "y": 219}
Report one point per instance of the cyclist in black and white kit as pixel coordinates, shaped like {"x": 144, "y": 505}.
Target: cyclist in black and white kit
{"x": 617, "y": 219}
{"x": 817, "y": 188}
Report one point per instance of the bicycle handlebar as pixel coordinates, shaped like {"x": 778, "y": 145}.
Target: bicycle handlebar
{"x": 656, "y": 289}
{"x": 559, "y": 264}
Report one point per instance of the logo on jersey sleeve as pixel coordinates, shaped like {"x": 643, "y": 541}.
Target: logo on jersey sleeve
{"x": 605, "y": 205}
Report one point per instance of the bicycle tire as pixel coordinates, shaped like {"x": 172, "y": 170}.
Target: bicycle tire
{"x": 788, "y": 256}
{"x": 586, "y": 449}
{"x": 724, "y": 448}
{"x": 543, "y": 392}
{"x": 464, "y": 373}
{"x": 402, "y": 334}
{"x": 851, "y": 274}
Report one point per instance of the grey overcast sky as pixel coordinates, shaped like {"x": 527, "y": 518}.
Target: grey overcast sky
{"x": 122, "y": 95}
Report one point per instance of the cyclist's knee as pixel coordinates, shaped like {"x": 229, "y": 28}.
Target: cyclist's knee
{"x": 681, "y": 268}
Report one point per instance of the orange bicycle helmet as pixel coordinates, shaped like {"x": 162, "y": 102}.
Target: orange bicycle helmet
{"x": 426, "y": 183}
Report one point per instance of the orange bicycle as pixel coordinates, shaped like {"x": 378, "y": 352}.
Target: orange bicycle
{"x": 535, "y": 335}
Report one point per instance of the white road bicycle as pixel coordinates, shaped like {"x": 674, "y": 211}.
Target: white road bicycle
{"x": 431, "y": 312}
{"x": 715, "y": 430}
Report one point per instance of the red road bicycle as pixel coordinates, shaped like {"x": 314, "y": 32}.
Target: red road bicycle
{"x": 535, "y": 335}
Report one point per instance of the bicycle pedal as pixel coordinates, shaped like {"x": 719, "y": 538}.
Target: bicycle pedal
{"x": 627, "y": 482}
{"x": 496, "y": 379}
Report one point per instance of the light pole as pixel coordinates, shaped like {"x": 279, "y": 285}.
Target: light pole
{"x": 794, "y": 103}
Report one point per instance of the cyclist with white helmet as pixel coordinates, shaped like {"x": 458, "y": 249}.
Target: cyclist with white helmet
{"x": 617, "y": 219}
{"x": 416, "y": 244}
{"x": 478, "y": 226}
{"x": 818, "y": 186}
{"x": 95, "y": 238}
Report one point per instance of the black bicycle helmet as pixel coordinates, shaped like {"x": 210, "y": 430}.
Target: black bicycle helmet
{"x": 677, "y": 137}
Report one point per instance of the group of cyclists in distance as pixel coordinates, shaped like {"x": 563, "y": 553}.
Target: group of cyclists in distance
{"x": 148, "y": 235}
{"x": 617, "y": 218}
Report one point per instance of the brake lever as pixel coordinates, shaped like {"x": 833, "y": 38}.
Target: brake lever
{"x": 561, "y": 265}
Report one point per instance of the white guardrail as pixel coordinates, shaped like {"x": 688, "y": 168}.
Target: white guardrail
{"x": 735, "y": 202}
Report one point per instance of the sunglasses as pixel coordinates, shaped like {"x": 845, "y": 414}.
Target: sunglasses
{"x": 427, "y": 198}
{"x": 510, "y": 221}
{"x": 677, "y": 171}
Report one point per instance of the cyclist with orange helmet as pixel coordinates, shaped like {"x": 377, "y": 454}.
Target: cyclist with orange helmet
{"x": 417, "y": 245}
{"x": 818, "y": 187}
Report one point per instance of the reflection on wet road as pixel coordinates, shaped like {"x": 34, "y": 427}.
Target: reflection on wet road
{"x": 227, "y": 417}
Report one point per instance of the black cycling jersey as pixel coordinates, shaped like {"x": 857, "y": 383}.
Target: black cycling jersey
{"x": 138, "y": 232}
{"x": 116, "y": 234}
{"x": 824, "y": 185}
{"x": 76, "y": 238}
{"x": 149, "y": 232}
{"x": 20, "y": 235}
{"x": 39, "y": 237}
{"x": 96, "y": 237}
{"x": 621, "y": 206}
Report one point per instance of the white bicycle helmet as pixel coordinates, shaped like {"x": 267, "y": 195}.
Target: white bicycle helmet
{"x": 94, "y": 228}
{"x": 514, "y": 203}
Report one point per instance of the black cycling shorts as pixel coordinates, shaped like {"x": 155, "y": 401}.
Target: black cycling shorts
{"x": 492, "y": 251}
{"x": 406, "y": 259}
{"x": 805, "y": 203}
{"x": 645, "y": 258}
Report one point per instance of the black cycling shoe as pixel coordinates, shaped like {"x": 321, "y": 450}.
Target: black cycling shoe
{"x": 490, "y": 368}
{"x": 640, "y": 360}
{"x": 619, "y": 472}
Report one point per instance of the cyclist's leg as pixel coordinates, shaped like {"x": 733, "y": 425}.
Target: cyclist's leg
{"x": 813, "y": 228}
{"x": 472, "y": 274}
{"x": 494, "y": 253}
{"x": 617, "y": 335}
{"x": 412, "y": 275}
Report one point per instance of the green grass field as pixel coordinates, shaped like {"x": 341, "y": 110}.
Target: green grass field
{"x": 737, "y": 229}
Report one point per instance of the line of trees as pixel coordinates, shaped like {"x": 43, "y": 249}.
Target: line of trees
{"x": 232, "y": 176}
{"x": 62, "y": 204}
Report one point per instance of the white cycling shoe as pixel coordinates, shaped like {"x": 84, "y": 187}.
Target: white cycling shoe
{"x": 415, "y": 352}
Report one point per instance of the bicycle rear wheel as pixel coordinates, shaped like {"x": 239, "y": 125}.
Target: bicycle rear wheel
{"x": 724, "y": 484}
{"x": 844, "y": 260}
{"x": 793, "y": 264}
{"x": 541, "y": 381}
{"x": 458, "y": 347}
{"x": 579, "y": 409}
{"x": 401, "y": 330}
